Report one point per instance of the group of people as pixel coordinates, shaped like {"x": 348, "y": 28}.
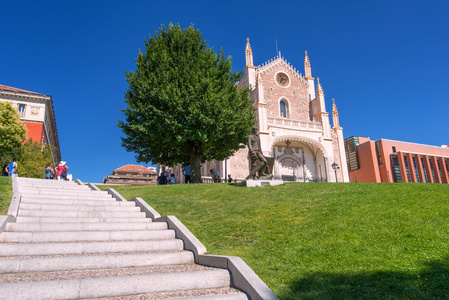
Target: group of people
{"x": 164, "y": 178}
{"x": 216, "y": 176}
{"x": 59, "y": 172}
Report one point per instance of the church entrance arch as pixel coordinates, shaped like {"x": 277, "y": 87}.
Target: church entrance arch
{"x": 291, "y": 168}
{"x": 299, "y": 159}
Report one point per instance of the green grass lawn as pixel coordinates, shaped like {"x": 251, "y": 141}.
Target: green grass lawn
{"x": 322, "y": 240}
{"x": 5, "y": 194}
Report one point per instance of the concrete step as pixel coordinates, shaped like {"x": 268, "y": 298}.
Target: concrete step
{"x": 38, "y": 185}
{"x": 85, "y": 262}
{"x": 224, "y": 293}
{"x": 229, "y": 296}
{"x": 49, "y": 191}
{"x": 103, "y": 202}
{"x": 83, "y": 236}
{"x": 22, "y": 219}
{"x": 24, "y": 181}
{"x": 115, "y": 286}
{"x": 80, "y": 214}
{"x": 46, "y": 227}
{"x": 110, "y": 286}
{"x": 68, "y": 196}
{"x": 35, "y": 249}
{"x": 55, "y": 207}
{"x": 55, "y": 190}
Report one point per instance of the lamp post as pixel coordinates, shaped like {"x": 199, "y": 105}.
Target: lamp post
{"x": 335, "y": 167}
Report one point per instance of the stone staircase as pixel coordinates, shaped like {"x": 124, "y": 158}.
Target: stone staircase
{"x": 71, "y": 242}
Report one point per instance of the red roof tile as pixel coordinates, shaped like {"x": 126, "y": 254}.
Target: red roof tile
{"x": 135, "y": 169}
{"x": 12, "y": 89}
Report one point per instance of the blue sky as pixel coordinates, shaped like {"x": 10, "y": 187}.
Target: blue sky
{"x": 386, "y": 63}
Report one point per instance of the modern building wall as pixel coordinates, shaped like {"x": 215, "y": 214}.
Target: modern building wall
{"x": 396, "y": 161}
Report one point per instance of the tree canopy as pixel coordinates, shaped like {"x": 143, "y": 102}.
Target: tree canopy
{"x": 183, "y": 103}
{"x": 33, "y": 159}
{"x": 12, "y": 132}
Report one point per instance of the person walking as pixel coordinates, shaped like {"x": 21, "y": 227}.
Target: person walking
{"x": 62, "y": 170}
{"x": 12, "y": 170}
{"x": 186, "y": 173}
{"x": 48, "y": 171}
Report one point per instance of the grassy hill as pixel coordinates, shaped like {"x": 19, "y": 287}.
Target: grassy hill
{"x": 5, "y": 194}
{"x": 322, "y": 240}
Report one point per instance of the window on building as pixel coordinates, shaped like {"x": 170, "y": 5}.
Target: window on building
{"x": 407, "y": 169}
{"x": 283, "y": 109}
{"x": 22, "y": 110}
{"x": 397, "y": 177}
{"x": 424, "y": 169}
{"x": 418, "y": 179}
{"x": 445, "y": 163}
{"x": 378, "y": 152}
{"x": 433, "y": 171}
{"x": 394, "y": 149}
{"x": 439, "y": 167}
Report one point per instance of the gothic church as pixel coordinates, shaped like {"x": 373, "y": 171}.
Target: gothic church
{"x": 293, "y": 126}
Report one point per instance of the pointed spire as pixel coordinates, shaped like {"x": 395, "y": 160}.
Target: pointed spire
{"x": 334, "y": 107}
{"x": 248, "y": 54}
{"x": 335, "y": 118}
{"x": 319, "y": 90}
{"x": 307, "y": 68}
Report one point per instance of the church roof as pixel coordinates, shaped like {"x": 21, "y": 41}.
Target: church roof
{"x": 13, "y": 89}
{"x": 280, "y": 62}
{"x": 134, "y": 169}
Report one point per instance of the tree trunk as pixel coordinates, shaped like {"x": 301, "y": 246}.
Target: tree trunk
{"x": 195, "y": 169}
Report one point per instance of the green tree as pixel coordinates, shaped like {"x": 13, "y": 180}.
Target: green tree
{"x": 12, "y": 132}
{"x": 33, "y": 159}
{"x": 183, "y": 103}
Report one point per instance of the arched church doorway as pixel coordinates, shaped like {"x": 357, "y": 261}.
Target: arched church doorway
{"x": 291, "y": 170}
{"x": 299, "y": 159}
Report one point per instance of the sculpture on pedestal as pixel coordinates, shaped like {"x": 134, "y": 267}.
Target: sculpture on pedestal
{"x": 260, "y": 166}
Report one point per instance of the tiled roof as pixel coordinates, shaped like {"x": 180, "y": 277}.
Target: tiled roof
{"x": 135, "y": 169}
{"x": 12, "y": 89}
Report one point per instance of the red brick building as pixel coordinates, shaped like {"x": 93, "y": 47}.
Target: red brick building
{"x": 395, "y": 161}
{"x": 133, "y": 175}
{"x": 37, "y": 113}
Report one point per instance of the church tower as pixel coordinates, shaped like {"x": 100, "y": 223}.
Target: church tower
{"x": 250, "y": 69}
{"x": 309, "y": 78}
{"x": 293, "y": 124}
{"x": 341, "y": 145}
{"x": 321, "y": 115}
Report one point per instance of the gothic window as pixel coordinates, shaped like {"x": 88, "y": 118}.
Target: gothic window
{"x": 283, "y": 109}
{"x": 282, "y": 79}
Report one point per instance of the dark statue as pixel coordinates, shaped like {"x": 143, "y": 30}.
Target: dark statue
{"x": 261, "y": 166}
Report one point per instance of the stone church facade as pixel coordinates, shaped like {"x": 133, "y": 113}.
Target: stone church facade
{"x": 292, "y": 123}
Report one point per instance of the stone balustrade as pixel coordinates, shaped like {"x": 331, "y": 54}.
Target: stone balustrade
{"x": 295, "y": 124}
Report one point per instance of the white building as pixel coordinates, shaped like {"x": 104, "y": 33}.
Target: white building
{"x": 36, "y": 112}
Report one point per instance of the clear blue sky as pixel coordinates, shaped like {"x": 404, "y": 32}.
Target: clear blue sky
{"x": 386, "y": 63}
